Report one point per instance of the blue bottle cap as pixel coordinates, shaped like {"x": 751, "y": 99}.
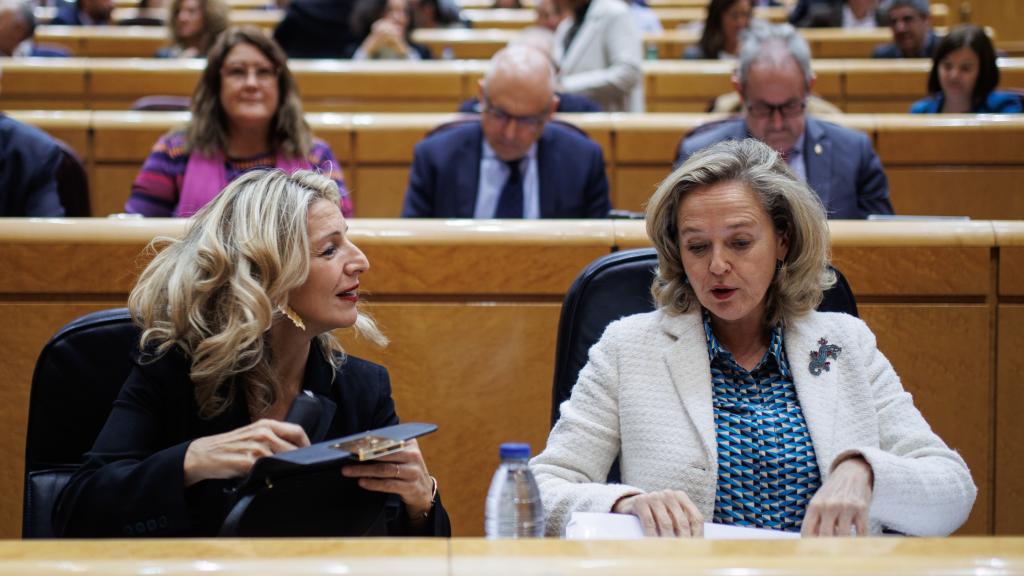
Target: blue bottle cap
{"x": 515, "y": 450}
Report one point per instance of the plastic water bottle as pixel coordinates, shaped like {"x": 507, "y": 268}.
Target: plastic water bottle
{"x": 514, "y": 508}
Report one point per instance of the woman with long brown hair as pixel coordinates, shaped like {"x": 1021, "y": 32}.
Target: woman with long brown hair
{"x": 246, "y": 114}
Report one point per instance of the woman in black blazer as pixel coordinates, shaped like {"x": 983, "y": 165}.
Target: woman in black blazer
{"x": 237, "y": 319}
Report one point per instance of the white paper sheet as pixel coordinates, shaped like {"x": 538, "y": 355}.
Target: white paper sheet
{"x": 603, "y": 526}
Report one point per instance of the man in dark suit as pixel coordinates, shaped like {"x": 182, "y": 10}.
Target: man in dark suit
{"x": 83, "y": 13}
{"x": 774, "y": 80}
{"x": 511, "y": 163}
{"x": 28, "y": 165}
{"x": 912, "y": 33}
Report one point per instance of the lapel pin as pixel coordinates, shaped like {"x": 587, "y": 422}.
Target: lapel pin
{"x": 817, "y": 149}
{"x": 820, "y": 357}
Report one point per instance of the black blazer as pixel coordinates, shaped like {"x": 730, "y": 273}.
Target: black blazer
{"x": 132, "y": 481}
{"x": 29, "y": 159}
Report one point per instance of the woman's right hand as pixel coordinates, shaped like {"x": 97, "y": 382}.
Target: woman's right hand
{"x": 666, "y": 513}
{"x": 232, "y": 454}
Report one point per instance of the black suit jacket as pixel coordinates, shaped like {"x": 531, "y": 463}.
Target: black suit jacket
{"x": 446, "y": 172}
{"x": 132, "y": 481}
{"x": 29, "y": 159}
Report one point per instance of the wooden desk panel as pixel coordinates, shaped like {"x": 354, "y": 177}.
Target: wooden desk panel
{"x": 949, "y": 375}
{"x": 258, "y": 556}
{"x": 837, "y": 557}
{"x": 980, "y": 139}
{"x": 1009, "y": 436}
{"x": 499, "y": 391}
{"x": 1010, "y": 236}
{"x": 937, "y": 191}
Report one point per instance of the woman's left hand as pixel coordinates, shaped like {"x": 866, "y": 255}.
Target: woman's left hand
{"x": 403, "y": 473}
{"x": 842, "y": 502}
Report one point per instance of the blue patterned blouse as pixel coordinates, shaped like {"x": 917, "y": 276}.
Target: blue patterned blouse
{"x": 767, "y": 470}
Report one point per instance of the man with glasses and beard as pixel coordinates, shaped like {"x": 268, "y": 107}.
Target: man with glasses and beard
{"x": 774, "y": 80}
{"x": 512, "y": 163}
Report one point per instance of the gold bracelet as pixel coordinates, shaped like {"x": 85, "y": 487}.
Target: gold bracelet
{"x": 433, "y": 498}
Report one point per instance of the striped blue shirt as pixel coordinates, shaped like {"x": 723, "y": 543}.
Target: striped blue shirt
{"x": 767, "y": 469}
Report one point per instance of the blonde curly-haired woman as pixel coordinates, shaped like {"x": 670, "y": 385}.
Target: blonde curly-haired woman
{"x": 236, "y": 321}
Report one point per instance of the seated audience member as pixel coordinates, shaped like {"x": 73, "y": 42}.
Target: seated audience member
{"x": 246, "y": 114}
{"x": 17, "y": 29}
{"x": 511, "y": 163}
{"x": 735, "y": 401}
{"x": 965, "y": 75}
{"x": 541, "y": 39}
{"x": 600, "y": 54}
{"x": 436, "y": 14}
{"x": 29, "y": 159}
{"x": 774, "y": 80}
{"x": 550, "y": 14}
{"x": 912, "y": 33}
{"x": 647, "y": 22}
{"x": 194, "y": 25}
{"x": 84, "y": 13}
{"x": 385, "y": 27}
{"x": 317, "y": 29}
{"x": 720, "y": 40}
{"x": 237, "y": 319}
{"x": 848, "y": 14}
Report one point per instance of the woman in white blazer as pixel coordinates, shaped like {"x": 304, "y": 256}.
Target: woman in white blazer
{"x": 735, "y": 401}
{"x": 604, "y": 58}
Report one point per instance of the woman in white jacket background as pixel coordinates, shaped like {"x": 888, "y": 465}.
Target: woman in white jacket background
{"x": 736, "y": 402}
{"x": 599, "y": 52}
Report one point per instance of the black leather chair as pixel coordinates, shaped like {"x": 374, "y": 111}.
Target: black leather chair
{"x": 77, "y": 378}
{"x": 618, "y": 285}
{"x": 72, "y": 182}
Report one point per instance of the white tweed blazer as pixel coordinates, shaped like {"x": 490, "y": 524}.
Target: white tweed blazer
{"x": 605, "y": 60}
{"x": 645, "y": 397}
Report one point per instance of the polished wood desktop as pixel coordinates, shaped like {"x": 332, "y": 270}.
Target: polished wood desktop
{"x": 953, "y": 165}
{"x": 547, "y": 557}
{"x": 862, "y": 85}
{"x": 461, "y": 43}
{"x": 472, "y": 310}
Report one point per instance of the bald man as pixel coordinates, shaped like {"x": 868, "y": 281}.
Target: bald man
{"x": 512, "y": 163}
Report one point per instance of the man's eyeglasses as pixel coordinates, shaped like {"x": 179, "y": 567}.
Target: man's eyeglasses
{"x": 534, "y": 122}
{"x": 788, "y": 109}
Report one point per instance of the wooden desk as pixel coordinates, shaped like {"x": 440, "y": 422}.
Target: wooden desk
{"x": 862, "y": 86}
{"x": 144, "y": 41}
{"x": 937, "y": 165}
{"x": 358, "y": 557}
{"x": 472, "y": 308}
{"x": 464, "y": 556}
{"x": 905, "y": 556}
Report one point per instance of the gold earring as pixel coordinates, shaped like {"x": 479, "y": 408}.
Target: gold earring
{"x": 293, "y": 316}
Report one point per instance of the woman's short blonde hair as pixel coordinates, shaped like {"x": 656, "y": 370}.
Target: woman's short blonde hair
{"x": 216, "y": 292}
{"x": 793, "y": 207}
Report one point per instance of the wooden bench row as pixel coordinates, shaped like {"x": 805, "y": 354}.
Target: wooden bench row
{"x": 472, "y": 311}
{"x": 478, "y": 18}
{"x": 439, "y": 86}
{"x": 144, "y": 41}
{"x": 937, "y": 165}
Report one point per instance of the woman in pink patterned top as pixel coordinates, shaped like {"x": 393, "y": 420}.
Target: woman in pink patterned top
{"x": 246, "y": 114}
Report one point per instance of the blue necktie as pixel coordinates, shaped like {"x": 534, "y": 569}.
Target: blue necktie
{"x": 510, "y": 204}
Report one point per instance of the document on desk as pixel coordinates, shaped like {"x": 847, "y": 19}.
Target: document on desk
{"x": 604, "y": 526}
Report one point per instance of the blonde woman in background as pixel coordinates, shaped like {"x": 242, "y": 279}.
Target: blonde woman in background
{"x": 194, "y": 25}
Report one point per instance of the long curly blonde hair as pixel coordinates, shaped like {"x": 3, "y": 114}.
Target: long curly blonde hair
{"x": 215, "y": 292}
